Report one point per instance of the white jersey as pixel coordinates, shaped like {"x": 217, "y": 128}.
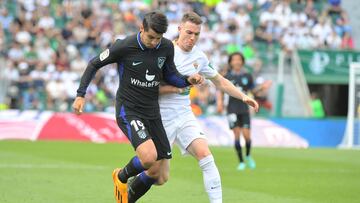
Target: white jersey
{"x": 187, "y": 63}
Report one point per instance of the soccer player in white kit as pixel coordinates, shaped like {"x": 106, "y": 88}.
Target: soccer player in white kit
{"x": 179, "y": 122}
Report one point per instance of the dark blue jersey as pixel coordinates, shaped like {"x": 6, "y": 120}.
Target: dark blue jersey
{"x": 244, "y": 81}
{"x": 140, "y": 72}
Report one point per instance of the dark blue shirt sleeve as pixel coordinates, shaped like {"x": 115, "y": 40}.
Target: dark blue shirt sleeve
{"x": 170, "y": 73}
{"x": 108, "y": 56}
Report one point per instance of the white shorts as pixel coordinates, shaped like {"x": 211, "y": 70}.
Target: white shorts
{"x": 183, "y": 131}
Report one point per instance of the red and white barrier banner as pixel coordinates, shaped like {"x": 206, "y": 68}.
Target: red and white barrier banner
{"x": 102, "y": 127}
{"x": 32, "y": 125}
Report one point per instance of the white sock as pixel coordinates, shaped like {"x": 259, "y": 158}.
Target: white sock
{"x": 212, "y": 179}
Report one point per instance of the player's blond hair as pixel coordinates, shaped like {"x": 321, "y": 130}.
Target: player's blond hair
{"x": 192, "y": 17}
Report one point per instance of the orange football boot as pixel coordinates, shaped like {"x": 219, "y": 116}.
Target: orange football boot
{"x": 120, "y": 189}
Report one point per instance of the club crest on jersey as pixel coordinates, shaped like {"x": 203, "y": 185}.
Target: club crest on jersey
{"x": 244, "y": 81}
{"x": 161, "y": 61}
{"x": 195, "y": 64}
{"x": 141, "y": 134}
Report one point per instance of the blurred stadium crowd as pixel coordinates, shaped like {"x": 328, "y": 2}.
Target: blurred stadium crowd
{"x": 45, "y": 44}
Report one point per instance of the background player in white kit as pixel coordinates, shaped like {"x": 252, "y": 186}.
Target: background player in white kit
{"x": 178, "y": 119}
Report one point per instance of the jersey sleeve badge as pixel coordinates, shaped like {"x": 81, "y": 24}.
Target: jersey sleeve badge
{"x": 104, "y": 54}
{"x": 161, "y": 61}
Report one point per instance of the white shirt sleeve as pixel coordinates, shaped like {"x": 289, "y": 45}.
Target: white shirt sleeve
{"x": 206, "y": 69}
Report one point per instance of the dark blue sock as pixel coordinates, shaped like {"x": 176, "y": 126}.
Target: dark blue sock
{"x": 133, "y": 168}
{"x": 248, "y": 147}
{"x": 238, "y": 150}
{"x": 139, "y": 187}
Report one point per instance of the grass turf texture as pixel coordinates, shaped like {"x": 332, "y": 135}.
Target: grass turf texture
{"x": 42, "y": 172}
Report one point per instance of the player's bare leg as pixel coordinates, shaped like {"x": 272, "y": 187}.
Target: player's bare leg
{"x": 199, "y": 149}
{"x": 160, "y": 171}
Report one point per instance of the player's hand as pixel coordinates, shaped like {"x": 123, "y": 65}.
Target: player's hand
{"x": 251, "y": 102}
{"x": 266, "y": 85}
{"x": 78, "y": 105}
{"x": 196, "y": 79}
{"x": 180, "y": 90}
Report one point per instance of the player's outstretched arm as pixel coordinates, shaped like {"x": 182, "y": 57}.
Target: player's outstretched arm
{"x": 220, "y": 102}
{"x": 226, "y": 86}
{"x": 108, "y": 56}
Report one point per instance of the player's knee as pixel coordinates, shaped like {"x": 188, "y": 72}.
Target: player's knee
{"x": 156, "y": 172}
{"x": 203, "y": 153}
{"x": 237, "y": 132}
{"x": 246, "y": 133}
{"x": 153, "y": 173}
{"x": 148, "y": 160}
{"x": 200, "y": 151}
{"x": 163, "y": 178}
{"x": 147, "y": 163}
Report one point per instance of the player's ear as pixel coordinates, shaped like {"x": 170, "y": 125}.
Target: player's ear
{"x": 179, "y": 28}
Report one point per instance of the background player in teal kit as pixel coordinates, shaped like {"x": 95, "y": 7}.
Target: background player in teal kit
{"x": 238, "y": 112}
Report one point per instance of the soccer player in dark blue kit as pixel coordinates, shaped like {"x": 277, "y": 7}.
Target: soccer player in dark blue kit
{"x": 143, "y": 60}
{"x": 238, "y": 113}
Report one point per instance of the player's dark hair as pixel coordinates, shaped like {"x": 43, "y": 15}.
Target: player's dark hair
{"x": 156, "y": 21}
{"x": 192, "y": 17}
{"x": 234, "y": 54}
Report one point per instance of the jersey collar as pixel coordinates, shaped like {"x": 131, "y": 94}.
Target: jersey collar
{"x": 238, "y": 73}
{"x": 142, "y": 45}
{"x": 181, "y": 50}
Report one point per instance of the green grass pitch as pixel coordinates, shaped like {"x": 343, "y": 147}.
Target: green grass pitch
{"x": 44, "y": 172}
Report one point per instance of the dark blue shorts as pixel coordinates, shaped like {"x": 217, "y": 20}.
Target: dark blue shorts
{"x": 239, "y": 120}
{"x": 138, "y": 130}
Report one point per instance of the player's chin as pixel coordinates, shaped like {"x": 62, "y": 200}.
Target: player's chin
{"x": 150, "y": 46}
{"x": 190, "y": 46}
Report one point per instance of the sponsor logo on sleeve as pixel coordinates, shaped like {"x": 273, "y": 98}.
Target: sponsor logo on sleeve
{"x": 104, "y": 54}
